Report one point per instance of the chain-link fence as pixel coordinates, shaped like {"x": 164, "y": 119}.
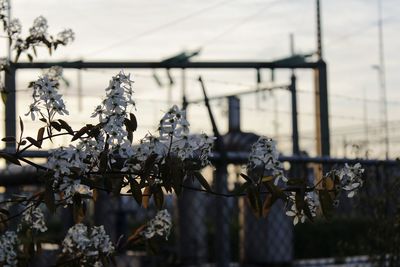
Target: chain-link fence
{"x": 223, "y": 231}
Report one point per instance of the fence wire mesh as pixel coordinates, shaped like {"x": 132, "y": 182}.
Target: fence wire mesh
{"x": 202, "y": 222}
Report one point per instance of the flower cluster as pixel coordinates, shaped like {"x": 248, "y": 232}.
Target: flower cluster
{"x": 299, "y": 216}
{"x": 113, "y": 111}
{"x": 87, "y": 245}
{"x": 351, "y": 178}
{"x": 8, "y": 249}
{"x": 265, "y": 155}
{"x": 3, "y": 9}
{"x": 37, "y": 33}
{"x": 62, "y": 160}
{"x": 193, "y": 146}
{"x": 39, "y": 27}
{"x": 174, "y": 124}
{"x": 174, "y": 140}
{"x": 14, "y": 28}
{"x": 160, "y": 225}
{"x": 66, "y": 36}
{"x": 54, "y": 73}
{"x": 45, "y": 96}
{"x": 34, "y": 219}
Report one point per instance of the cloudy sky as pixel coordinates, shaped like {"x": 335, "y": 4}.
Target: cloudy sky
{"x": 233, "y": 30}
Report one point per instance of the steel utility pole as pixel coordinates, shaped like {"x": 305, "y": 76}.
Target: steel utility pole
{"x": 382, "y": 80}
{"x": 295, "y": 128}
{"x": 321, "y": 94}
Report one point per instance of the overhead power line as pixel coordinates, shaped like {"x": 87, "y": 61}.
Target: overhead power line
{"x": 160, "y": 27}
{"x": 240, "y": 23}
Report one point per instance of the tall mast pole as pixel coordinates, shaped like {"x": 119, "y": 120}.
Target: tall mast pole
{"x": 382, "y": 81}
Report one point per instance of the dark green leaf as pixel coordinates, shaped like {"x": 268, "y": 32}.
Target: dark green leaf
{"x": 66, "y": 126}
{"x": 202, "y": 181}
{"x": 81, "y": 132}
{"x": 254, "y": 200}
{"x": 10, "y": 158}
{"x": 30, "y": 58}
{"x": 56, "y": 125}
{"x": 136, "y": 191}
{"x": 4, "y": 95}
{"x": 241, "y": 189}
{"x": 158, "y": 197}
{"x": 21, "y": 125}
{"x": 146, "y": 197}
{"x": 133, "y": 121}
{"x": 8, "y": 139}
{"x": 34, "y": 142}
{"x": 40, "y": 134}
{"x": 247, "y": 178}
{"x": 130, "y": 125}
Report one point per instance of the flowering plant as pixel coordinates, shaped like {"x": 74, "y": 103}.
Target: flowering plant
{"x": 105, "y": 157}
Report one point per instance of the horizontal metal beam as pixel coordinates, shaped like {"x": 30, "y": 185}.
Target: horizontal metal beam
{"x": 168, "y": 65}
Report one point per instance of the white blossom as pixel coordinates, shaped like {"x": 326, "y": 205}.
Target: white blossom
{"x": 174, "y": 124}
{"x": 39, "y": 28}
{"x": 193, "y": 146}
{"x": 8, "y": 249}
{"x": 34, "y": 218}
{"x": 298, "y": 216}
{"x": 4, "y": 8}
{"x": 264, "y": 154}
{"x": 160, "y": 225}
{"x": 113, "y": 111}
{"x": 88, "y": 244}
{"x": 66, "y": 36}
{"x": 351, "y": 178}
{"x": 70, "y": 187}
{"x": 14, "y": 28}
{"x": 62, "y": 160}
{"x": 54, "y": 72}
{"x": 45, "y": 96}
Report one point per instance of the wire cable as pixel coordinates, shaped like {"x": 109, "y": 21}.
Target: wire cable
{"x": 240, "y": 23}
{"x": 160, "y": 27}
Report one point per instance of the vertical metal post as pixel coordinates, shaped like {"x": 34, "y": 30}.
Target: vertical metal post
{"x": 169, "y": 89}
{"x": 321, "y": 94}
{"x": 222, "y": 246}
{"x": 258, "y": 89}
{"x": 319, "y": 30}
{"x": 382, "y": 81}
{"x": 184, "y": 99}
{"x": 234, "y": 114}
{"x": 366, "y": 130}
{"x": 295, "y": 130}
{"x": 10, "y": 109}
{"x": 222, "y": 240}
{"x": 322, "y": 110}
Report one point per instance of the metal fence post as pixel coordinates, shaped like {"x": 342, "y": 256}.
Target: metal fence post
{"x": 222, "y": 245}
{"x": 10, "y": 107}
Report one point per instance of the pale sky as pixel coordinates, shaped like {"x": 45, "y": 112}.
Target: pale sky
{"x": 231, "y": 30}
